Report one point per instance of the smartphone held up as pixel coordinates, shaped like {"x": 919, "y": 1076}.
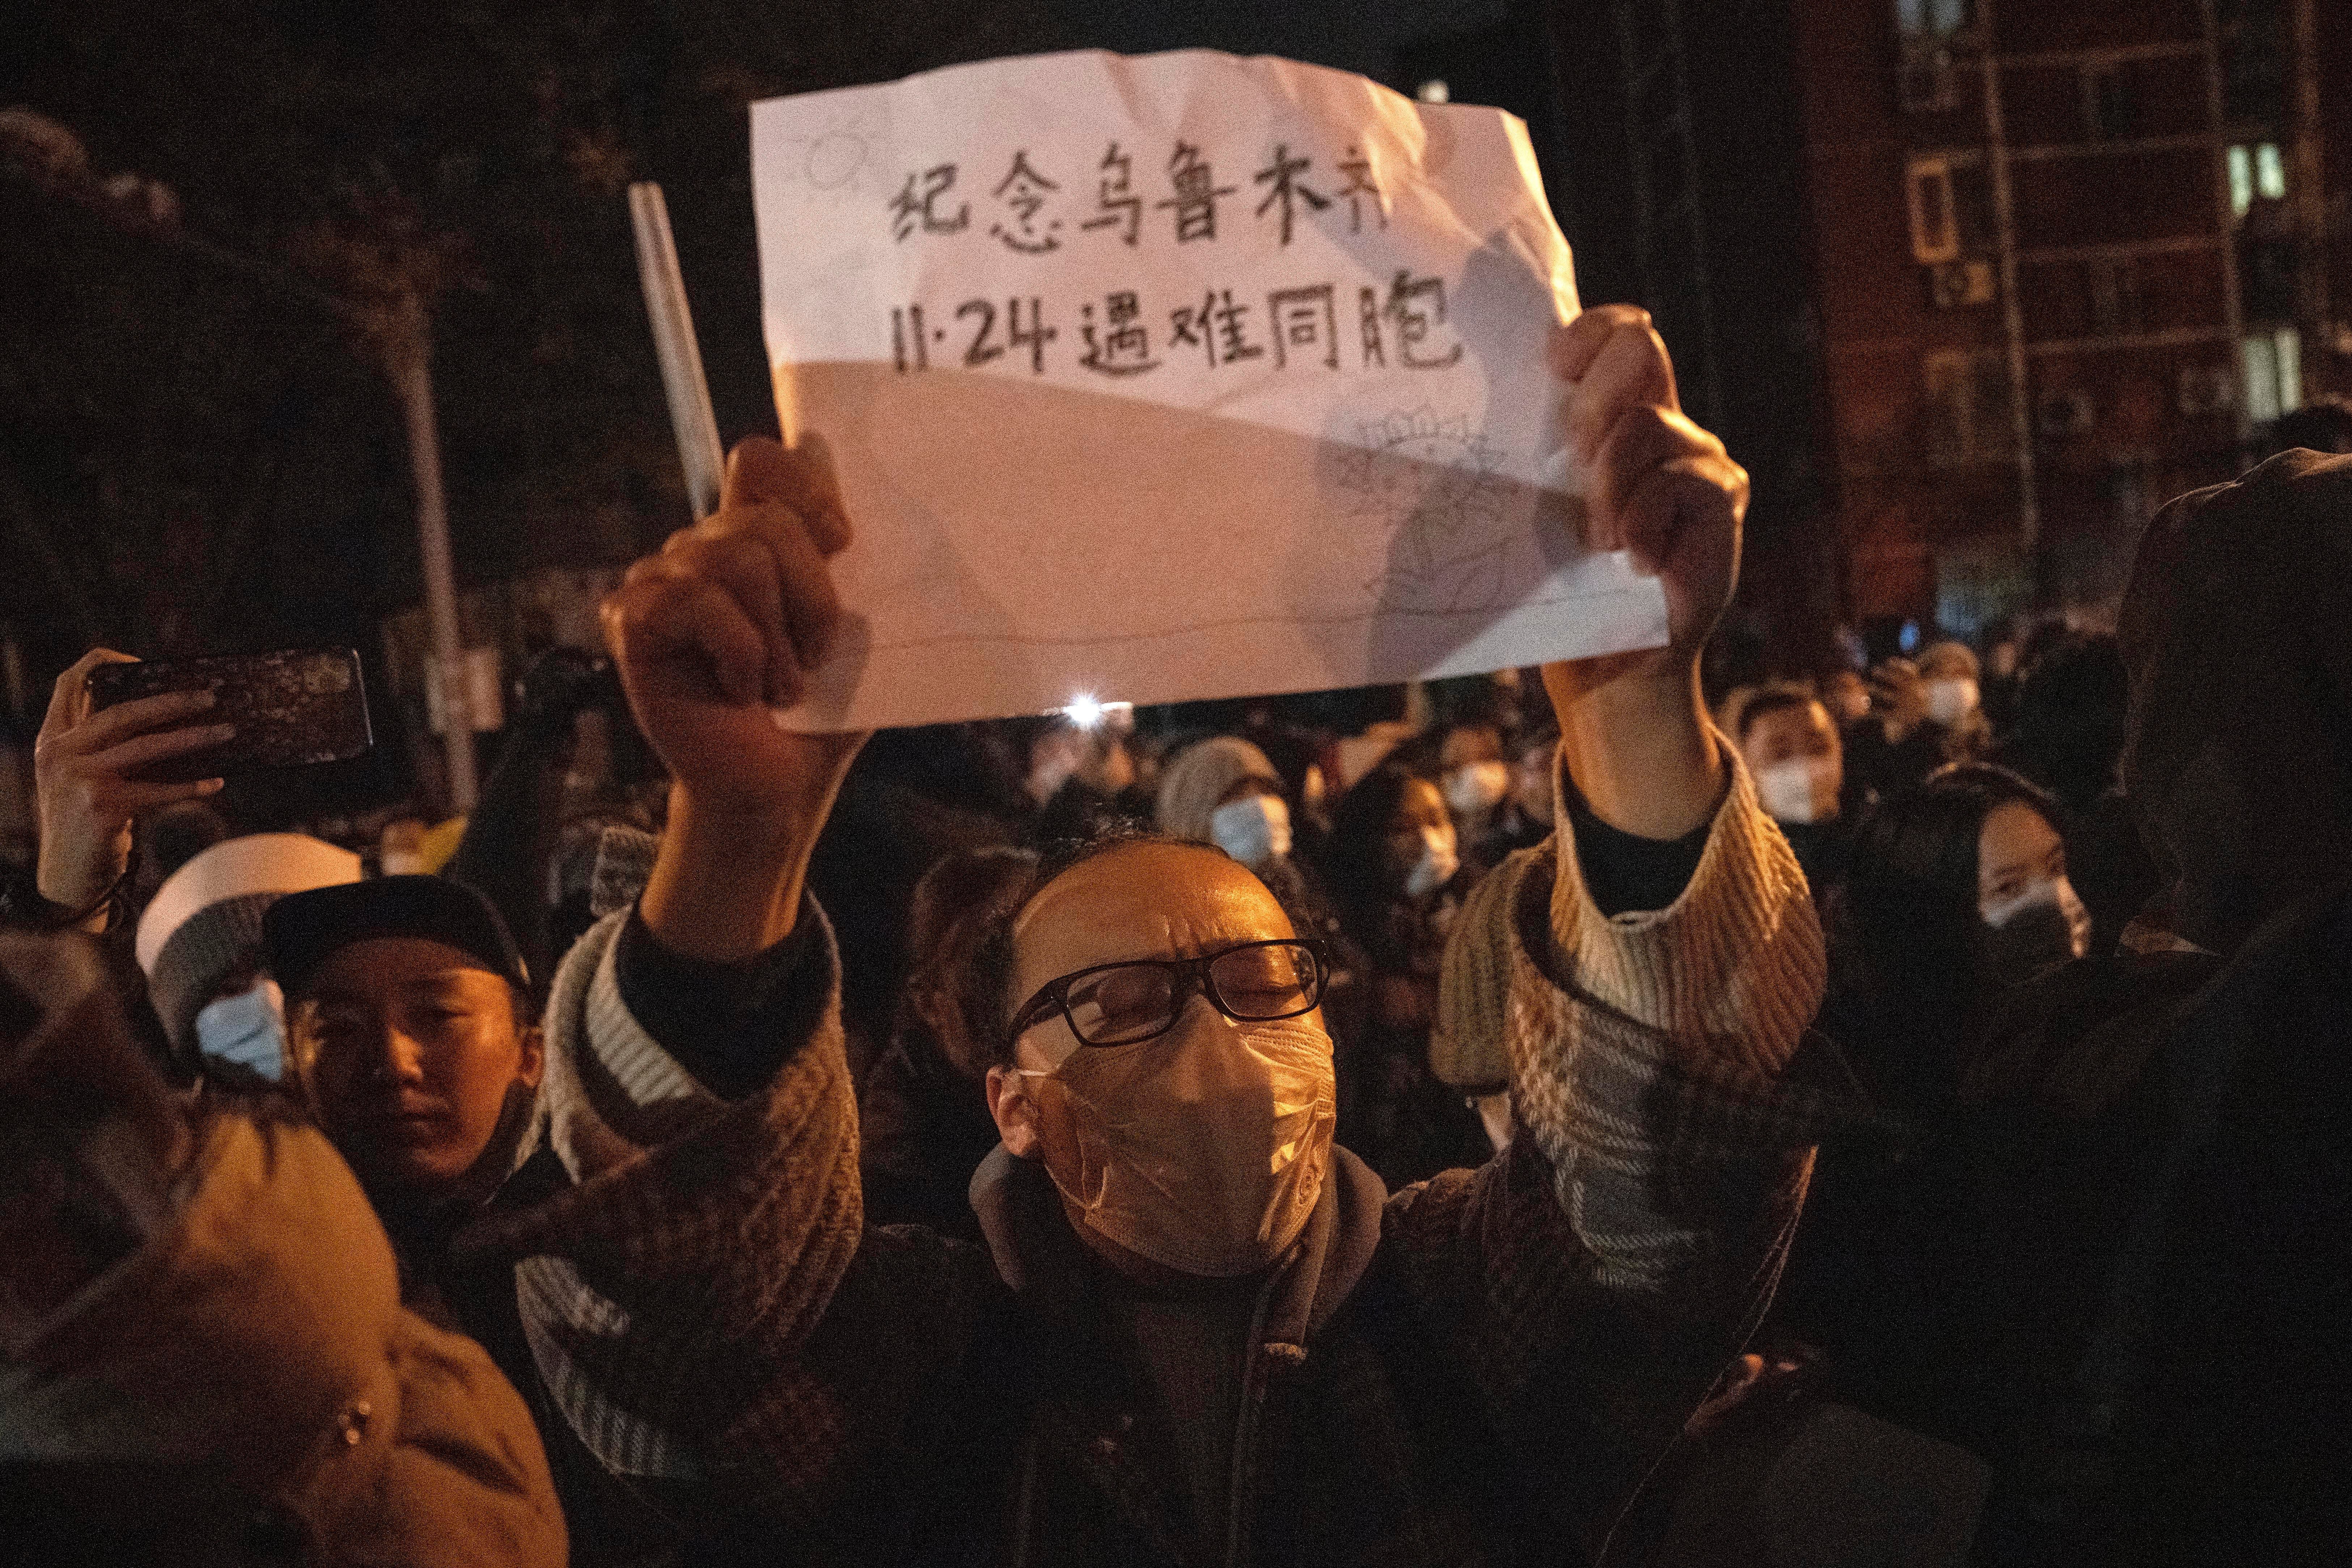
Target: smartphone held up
{"x": 287, "y": 708}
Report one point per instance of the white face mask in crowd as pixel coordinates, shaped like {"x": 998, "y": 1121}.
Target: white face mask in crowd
{"x": 1253, "y": 830}
{"x": 1476, "y": 787}
{"x": 1205, "y": 1150}
{"x": 1440, "y": 858}
{"x": 248, "y": 1029}
{"x": 1950, "y": 701}
{"x": 1800, "y": 789}
{"x": 2041, "y": 925}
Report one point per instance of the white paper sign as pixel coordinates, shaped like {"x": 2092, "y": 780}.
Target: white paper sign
{"x": 1174, "y": 377}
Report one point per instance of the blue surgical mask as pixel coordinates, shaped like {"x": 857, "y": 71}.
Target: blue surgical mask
{"x": 248, "y": 1029}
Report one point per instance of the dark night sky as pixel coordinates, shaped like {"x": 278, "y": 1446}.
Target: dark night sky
{"x": 197, "y": 460}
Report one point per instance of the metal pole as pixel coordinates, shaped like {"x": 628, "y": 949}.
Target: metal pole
{"x": 410, "y": 355}
{"x": 2225, "y": 217}
{"x": 2012, "y": 309}
{"x": 2310, "y": 191}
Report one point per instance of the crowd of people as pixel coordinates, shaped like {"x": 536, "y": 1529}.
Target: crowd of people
{"x": 1894, "y": 1115}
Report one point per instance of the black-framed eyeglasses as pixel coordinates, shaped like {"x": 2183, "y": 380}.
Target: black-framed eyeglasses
{"x": 1126, "y": 1003}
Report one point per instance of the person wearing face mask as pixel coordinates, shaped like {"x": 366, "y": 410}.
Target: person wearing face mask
{"x": 1955, "y": 891}
{"x": 1793, "y": 749}
{"x": 1925, "y": 714}
{"x": 199, "y": 943}
{"x": 2161, "y": 1130}
{"x": 1395, "y": 868}
{"x": 1525, "y": 818}
{"x": 1201, "y": 1330}
{"x": 1956, "y": 896}
{"x": 1225, "y": 791}
{"x": 1476, "y": 782}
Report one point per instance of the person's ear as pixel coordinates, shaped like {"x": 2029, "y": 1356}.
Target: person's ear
{"x": 530, "y": 1054}
{"x": 1015, "y": 1112}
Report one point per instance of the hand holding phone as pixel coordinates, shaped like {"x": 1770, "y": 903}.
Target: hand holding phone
{"x": 90, "y": 774}
{"x": 287, "y": 708}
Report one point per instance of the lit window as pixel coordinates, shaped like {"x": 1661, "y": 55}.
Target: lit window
{"x": 2241, "y": 181}
{"x": 1931, "y": 18}
{"x": 2270, "y": 171}
{"x": 1935, "y": 223}
{"x": 2273, "y": 366}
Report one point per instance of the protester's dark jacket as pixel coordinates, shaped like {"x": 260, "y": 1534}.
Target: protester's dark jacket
{"x": 2116, "y": 1265}
{"x": 2161, "y": 1148}
{"x": 1876, "y": 767}
{"x": 1822, "y": 849}
{"x": 1478, "y": 1368}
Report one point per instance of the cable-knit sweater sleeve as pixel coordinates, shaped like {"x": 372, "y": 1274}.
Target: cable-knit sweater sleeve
{"x": 1646, "y": 1049}
{"x": 1592, "y": 1278}
{"x": 704, "y": 1300}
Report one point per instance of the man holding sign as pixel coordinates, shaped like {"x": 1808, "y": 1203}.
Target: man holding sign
{"x": 1201, "y": 1332}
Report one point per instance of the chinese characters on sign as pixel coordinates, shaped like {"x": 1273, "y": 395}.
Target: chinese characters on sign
{"x": 1301, "y": 324}
{"x": 1027, "y": 193}
{"x": 1176, "y": 377}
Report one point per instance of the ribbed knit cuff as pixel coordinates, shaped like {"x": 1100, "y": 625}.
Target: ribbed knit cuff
{"x": 1737, "y": 962}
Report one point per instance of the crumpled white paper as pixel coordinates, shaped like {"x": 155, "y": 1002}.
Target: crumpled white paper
{"x": 1174, "y": 377}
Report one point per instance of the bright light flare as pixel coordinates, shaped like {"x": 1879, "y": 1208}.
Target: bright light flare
{"x": 1086, "y": 711}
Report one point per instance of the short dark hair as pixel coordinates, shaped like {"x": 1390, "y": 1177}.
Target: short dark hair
{"x": 986, "y": 989}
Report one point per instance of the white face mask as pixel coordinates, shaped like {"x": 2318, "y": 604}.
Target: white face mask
{"x": 248, "y": 1029}
{"x": 1253, "y": 830}
{"x": 1950, "y": 702}
{"x": 1801, "y": 790}
{"x": 1476, "y": 787}
{"x": 1440, "y": 858}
